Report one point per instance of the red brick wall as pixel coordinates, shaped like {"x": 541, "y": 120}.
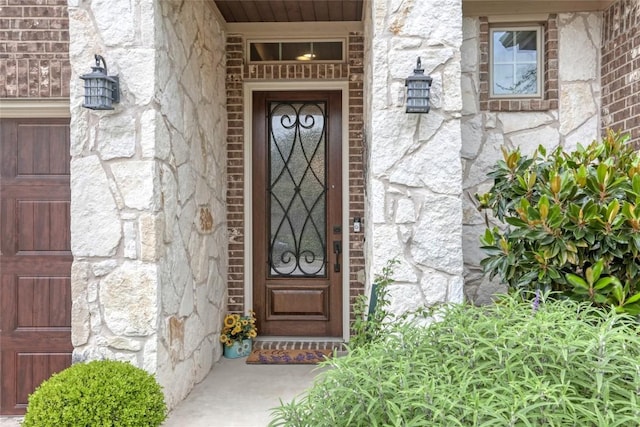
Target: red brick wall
{"x": 34, "y": 49}
{"x": 621, "y": 68}
{"x": 351, "y": 71}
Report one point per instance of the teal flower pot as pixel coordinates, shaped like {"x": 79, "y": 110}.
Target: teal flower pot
{"x": 238, "y": 349}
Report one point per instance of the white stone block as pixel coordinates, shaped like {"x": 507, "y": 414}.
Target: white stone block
{"x": 434, "y": 287}
{"x": 577, "y": 105}
{"x": 489, "y": 154}
{"x": 518, "y": 121}
{"x": 584, "y": 135}
{"x": 437, "y": 240}
{"x": 137, "y": 182}
{"x": 529, "y": 141}
{"x": 578, "y": 56}
{"x": 435, "y": 165}
{"x": 116, "y": 136}
{"x": 104, "y": 267}
{"x": 95, "y": 225}
{"x": 130, "y": 240}
{"x": 472, "y": 133}
{"x": 405, "y": 212}
{"x": 128, "y": 298}
{"x": 116, "y": 21}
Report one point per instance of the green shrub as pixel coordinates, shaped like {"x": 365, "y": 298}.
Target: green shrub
{"x": 562, "y": 363}
{"x": 573, "y": 223}
{"x": 99, "y": 393}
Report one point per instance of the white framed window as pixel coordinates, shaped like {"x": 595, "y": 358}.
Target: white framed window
{"x": 516, "y": 62}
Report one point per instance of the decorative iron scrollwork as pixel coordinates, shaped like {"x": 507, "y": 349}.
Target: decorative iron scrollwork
{"x": 297, "y": 189}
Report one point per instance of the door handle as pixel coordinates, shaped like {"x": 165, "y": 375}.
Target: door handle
{"x": 337, "y": 249}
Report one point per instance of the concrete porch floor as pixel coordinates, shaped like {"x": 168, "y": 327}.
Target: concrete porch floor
{"x": 234, "y": 394}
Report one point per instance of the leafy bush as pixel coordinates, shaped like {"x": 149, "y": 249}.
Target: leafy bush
{"x": 561, "y": 363}
{"x": 98, "y": 393}
{"x": 574, "y": 223}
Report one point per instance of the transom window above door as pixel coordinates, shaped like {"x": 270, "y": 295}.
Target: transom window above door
{"x": 296, "y": 51}
{"x": 516, "y": 61}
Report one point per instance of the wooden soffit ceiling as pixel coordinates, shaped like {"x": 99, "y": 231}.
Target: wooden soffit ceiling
{"x": 237, "y": 11}
{"x": 514, "y": 7}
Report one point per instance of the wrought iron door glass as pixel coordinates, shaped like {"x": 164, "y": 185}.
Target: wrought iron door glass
{"x": 297, "y": 189}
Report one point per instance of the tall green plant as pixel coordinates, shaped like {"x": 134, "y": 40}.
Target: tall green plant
{"x": 573, "y": 222}
{"x": 373, "y": 318}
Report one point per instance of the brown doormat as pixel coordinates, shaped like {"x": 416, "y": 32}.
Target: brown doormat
{"x": 288, "y": 357}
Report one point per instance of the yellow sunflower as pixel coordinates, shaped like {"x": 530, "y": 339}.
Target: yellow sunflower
{"x": 223, "y": 338}
{"x": 229, "y": 321}
{"x": 252, "y": 334}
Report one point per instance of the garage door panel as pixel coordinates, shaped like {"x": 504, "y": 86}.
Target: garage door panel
{"x": 35, "y": 261}
{"x": 32, "y": 368}
{"x": 43, "y": 225}
{"x": 42, "y": 149}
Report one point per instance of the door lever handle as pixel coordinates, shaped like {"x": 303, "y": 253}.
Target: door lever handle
{"x": 337, "y": 249}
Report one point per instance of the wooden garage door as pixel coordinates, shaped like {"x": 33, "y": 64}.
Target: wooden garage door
{"x": 35, "y": 256}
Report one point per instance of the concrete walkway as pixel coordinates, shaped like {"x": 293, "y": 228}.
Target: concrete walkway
{"x": 234, "y": 394}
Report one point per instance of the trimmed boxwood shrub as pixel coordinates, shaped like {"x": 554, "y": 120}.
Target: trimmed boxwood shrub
{"x": 558, "y": 363}
{"x": 99, "y": 393}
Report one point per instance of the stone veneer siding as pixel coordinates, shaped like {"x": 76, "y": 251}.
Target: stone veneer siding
{"x": 414, "y": 177}
{"x": 575, "y": 120}
{"x": 621, "y": 68}
{"x": 237, "y": 74}
{"x": 148, "y": 183}
{"x": 34, "y": 49}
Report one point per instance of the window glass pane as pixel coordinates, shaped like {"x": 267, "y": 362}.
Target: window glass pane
{"x": 527, "y": 48}
{"x": 296, "y": 51}
{"x": 526, "y": 79}
{"x": 502, "y": 79}
{"x": 502, "y": 47}
{"x": 327, "y": 51}
{"x": 515, "y": 62}
{"x": 264, "y": 52}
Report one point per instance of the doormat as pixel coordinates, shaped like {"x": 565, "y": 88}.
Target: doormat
{"x": 287, "y": 357}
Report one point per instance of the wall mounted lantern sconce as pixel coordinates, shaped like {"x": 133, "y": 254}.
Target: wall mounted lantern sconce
{"x": 418, "y": 88}
{"x": 100, "y": 89}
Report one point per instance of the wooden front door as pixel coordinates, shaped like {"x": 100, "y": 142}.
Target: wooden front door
{"x": 297, "y": 213}
{"x": 35, "y": 257}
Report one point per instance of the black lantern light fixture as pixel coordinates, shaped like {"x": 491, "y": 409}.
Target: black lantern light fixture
{"x": 418, "y": 88}
{"x": 100, "y": 89}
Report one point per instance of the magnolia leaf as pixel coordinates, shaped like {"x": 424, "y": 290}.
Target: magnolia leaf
{"x": 602, "y": 173}
{"x": 617, "y": 293}
{"x": 633, "y": 299}
{"x": 596, "y": 270}
{"x": 576, "y": 281}
{"x": 606, "y": 281}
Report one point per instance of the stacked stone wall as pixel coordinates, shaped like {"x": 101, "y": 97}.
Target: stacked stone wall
{"x": 414, "y": 177}
{"x": 574, "y": 120}
{"x": 34, "y": 49}
{"x": 148, "y": 225}
{"x": 621, "y": 68}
